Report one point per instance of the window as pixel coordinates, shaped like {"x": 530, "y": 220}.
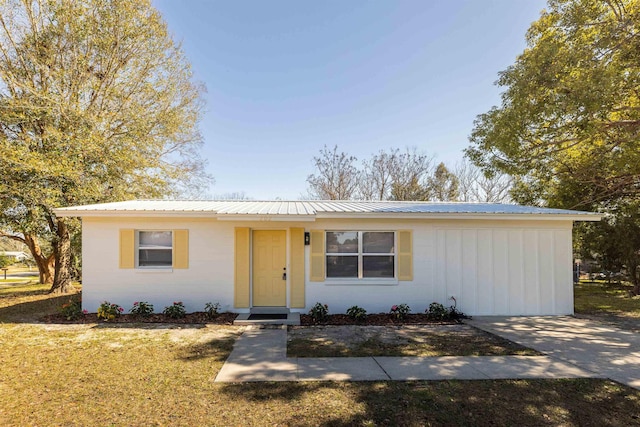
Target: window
{"x": 360, "y": 254}
{"x": 155, "y": 249}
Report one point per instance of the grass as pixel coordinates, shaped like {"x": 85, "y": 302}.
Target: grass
{"x": 608, "y": 301}
{"x": 28, "y": 302}
{"x": 77, "y": 375}
{"x": 30, "y": 276}
{"x": 412, "y": 341}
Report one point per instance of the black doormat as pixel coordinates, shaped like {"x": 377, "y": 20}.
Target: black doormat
{"x": 267, "y": 317}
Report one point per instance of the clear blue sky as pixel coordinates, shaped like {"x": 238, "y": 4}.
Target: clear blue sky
{"x": 285, "y": 78}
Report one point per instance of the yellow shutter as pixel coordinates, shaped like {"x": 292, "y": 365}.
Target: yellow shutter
{"x": 317, "y": 256}
{"x": 127, "y": 248}
{"x": 242, "y": 268}
{"x": 405, "y": 255}
{"x": 296, "y": 268}
{"x": 180, "y": 248}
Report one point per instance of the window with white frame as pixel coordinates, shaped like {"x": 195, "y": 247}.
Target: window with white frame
{"x": 155, "y": 249}
{"x": 360, "y": 254}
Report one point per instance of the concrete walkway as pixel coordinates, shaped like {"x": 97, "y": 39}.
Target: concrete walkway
{"x": 602, "y": 349}
{"x": 260, "y": 355}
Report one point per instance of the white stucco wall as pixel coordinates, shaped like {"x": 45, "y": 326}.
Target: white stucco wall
{"x": 491, "y": 267}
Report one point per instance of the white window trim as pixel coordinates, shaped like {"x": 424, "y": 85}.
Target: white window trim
{"x": 360, "y": 254}
{"x": 152, "y": 268}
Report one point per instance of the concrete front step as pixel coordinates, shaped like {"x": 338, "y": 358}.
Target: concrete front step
{"x": 269, "y": 310}
{"x": 292, "y": 319}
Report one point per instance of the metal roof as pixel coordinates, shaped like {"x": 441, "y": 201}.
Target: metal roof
{"x": 315, "y": 209}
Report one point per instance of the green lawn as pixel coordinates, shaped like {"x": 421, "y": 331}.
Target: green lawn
{"x": 79, "y": 375}
{"x": 602, "y": 298}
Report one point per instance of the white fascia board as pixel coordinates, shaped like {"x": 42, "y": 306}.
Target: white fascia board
{"x": 182, "y": 214}
{"x": 467, "y": 216}
{"x": 326, "y": 215}
{"x": 258, "y": 218}
{"x": 137, "y": 214}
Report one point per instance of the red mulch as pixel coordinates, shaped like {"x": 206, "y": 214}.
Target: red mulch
{"x": 190, "y": 318}
{"x": 381, "y": 319}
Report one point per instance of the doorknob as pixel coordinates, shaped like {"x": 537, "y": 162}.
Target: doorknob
{"x": 284, "y": 274}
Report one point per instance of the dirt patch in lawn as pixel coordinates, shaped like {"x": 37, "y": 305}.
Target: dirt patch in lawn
{"x": 405, "y": 340}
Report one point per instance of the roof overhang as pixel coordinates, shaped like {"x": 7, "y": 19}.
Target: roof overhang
{"x": 325, "y": 215}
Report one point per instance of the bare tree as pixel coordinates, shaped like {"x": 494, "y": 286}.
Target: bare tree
{"x": 336, "y": 176}
{"x": 443, "y": 185}
{"x": 376, "y": 177}
{"x": 235, "y": 195}
{"x": 475, "y": 186}
{"x": 410, "y": 173}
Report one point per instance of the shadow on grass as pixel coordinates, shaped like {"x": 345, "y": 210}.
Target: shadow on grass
{"x": 504, "y": 402}
{"x": 34, "y": 310}
{"x": 217, "y": 349}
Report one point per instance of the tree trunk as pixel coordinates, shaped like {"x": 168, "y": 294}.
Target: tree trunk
{"x": 635, "y": 280}
{"x": 62, "y": 252}
{"x": 44, "y": 263}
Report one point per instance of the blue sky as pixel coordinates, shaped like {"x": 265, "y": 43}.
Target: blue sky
{"x": 285, "y": 78}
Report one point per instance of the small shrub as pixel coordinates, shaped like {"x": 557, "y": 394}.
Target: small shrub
{"x": 436, "y": 311}
{"x": 319, "y": 312}
{"x": 108, "y": 311}
{"x": 142, "y": 309}
{"x": 357, "y": 313}
{"x": 175, "y": 311}
{"x": 72, "y": 310}
{"x": 453, "y": 313}
{"x": 212, "y": 309}
{"x": 400, "y": 311}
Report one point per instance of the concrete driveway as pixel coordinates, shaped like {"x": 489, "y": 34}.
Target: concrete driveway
{"x": 605, "y": 350}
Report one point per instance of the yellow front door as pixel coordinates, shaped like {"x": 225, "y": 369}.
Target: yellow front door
{"x": 269, "y": 262}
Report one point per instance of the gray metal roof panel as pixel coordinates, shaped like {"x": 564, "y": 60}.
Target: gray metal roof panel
{"x": 314, "y": 207}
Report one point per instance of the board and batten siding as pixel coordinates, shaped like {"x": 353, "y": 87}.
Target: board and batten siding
{"x": 491, "y": 267}
{"x": 505, "y": 271}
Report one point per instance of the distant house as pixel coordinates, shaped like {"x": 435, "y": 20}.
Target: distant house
{"x": 493, "y": 259}
{"x": 16, "y": 255}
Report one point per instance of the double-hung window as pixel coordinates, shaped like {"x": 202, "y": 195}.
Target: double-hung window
{"x": 155, "y": 249}
{"x": 360, "y": 254}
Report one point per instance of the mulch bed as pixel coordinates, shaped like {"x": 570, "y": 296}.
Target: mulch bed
{"x": 190, "y": 318}
{"x": 381, "y": 319}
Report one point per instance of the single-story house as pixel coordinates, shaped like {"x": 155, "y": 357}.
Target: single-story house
{"x": 494, "y": 259}
{"x": 16, "y": 255}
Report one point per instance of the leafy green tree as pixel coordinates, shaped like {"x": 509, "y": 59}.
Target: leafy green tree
{"x": 6, "y": 261}
{"x": 615, "y": 242}
{"x": 97, "y": 103}
{"x": 568, "y": 127}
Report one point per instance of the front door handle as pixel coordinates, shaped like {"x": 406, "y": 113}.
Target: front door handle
{"x": 284, "y": 275}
